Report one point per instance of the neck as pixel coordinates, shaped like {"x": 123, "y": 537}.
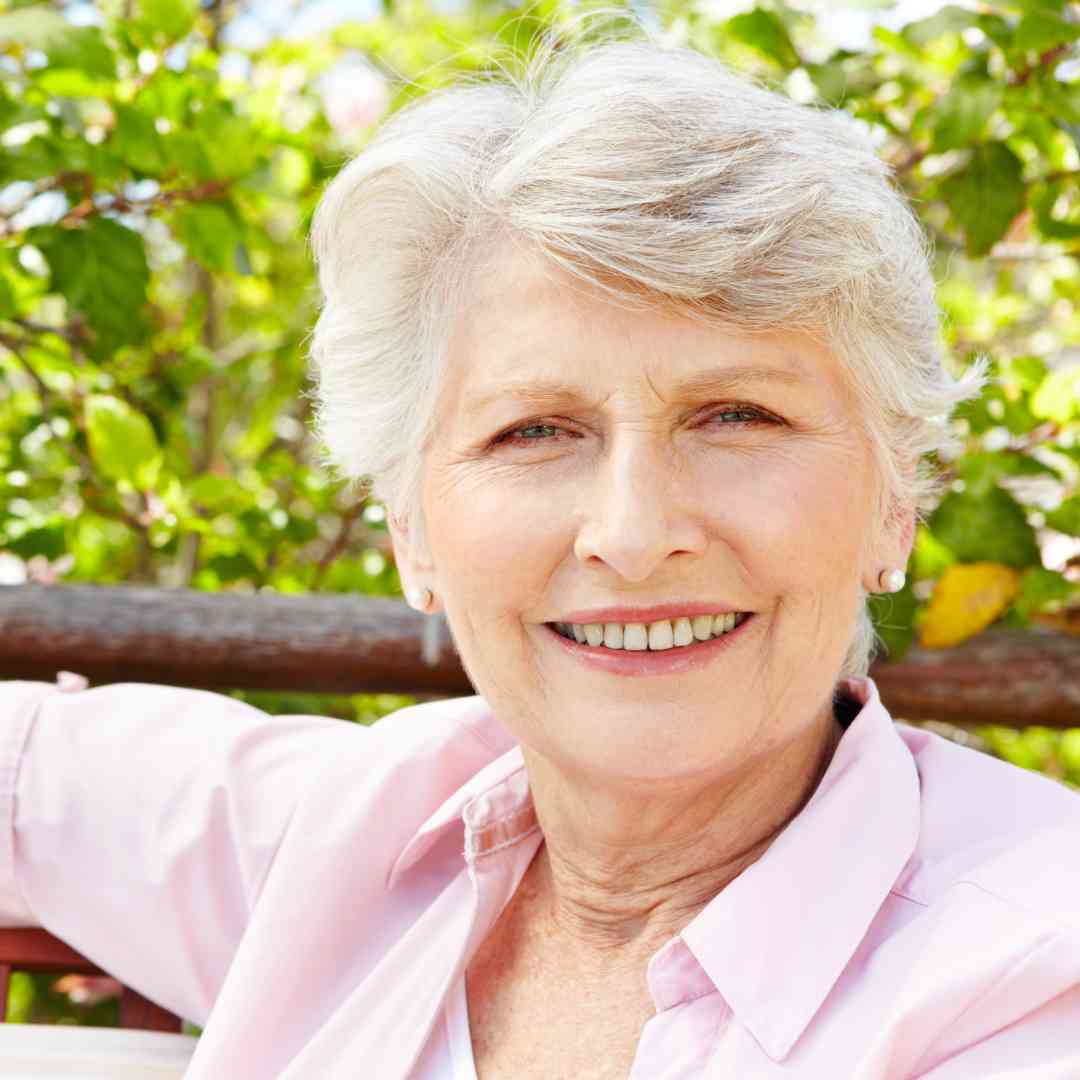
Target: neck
{"x": 624, "y": 870}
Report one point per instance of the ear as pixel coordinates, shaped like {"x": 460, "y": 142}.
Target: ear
{"x": 413, "y": 566}
{"x": 899, "y": 537}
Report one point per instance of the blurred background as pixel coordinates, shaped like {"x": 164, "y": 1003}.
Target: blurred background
{"x": 159, "y": 164}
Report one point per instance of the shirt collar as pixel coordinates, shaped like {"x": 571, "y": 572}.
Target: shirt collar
{"x": 777, "y": 938}
{"x": 494, "y": 805}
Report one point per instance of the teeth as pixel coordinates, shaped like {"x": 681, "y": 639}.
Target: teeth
{"x": 656, "y": 637}
{"x": 661, "y": 636}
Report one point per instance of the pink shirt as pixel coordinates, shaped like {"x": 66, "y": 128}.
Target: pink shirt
{"x": 310, "y": 891}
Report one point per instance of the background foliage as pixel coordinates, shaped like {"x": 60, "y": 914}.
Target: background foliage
{"x": 157, "y": 178}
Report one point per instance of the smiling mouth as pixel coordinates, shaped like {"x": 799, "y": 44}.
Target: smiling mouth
{"x": 661, "y": 636}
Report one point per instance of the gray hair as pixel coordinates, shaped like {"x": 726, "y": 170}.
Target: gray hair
{"x": 661, "y": 176}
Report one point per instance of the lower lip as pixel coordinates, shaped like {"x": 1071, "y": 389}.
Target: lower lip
{"x": 645, "y": 661}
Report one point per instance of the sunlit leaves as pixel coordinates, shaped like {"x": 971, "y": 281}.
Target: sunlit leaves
{"x": 167, "y": 20}
{"x": 122, "y": 441}
{"x": 65, "y": 45}
{"x": 763, "y": 31}
{"x": 1043, "y": 30}
{"x": 1058, "y": 395}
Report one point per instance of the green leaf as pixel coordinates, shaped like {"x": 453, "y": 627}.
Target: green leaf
{"x": 1053, "y": 228}
{"x": 929, "y": 556}
{"x": 101, "y": 270}
{"x": 1043, "y": 30}
{"x": 1026, "y": 371}
{"x": 1024, "y": 6}
{"x": 136, "y": 141}
{"x": 1039, "y": 588}
{"x": 230, "y": 146}
{"x": 210, "y": 233}
{"x": 1057, "y": 397}
{"x": 1066, "y": 518}
{"x": 762, "y": 30}
{"x": 981, "y": 471}
{"x": 122, "y": 441}
{"x": 986, "y": 528}
{"x": 1060, "y": 99}
{"x": 986, "y": 195}
{"x": 7, "y": 298}
{"x": 960, "y": 116}
{"x": 64, "y": 44}
{"x": 949, "y": 20}
{"x": 168, "y": 20}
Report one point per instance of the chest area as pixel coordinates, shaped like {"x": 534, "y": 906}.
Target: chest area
{"x": 535, "y": 1011}
{"x": 539, "y": 1028}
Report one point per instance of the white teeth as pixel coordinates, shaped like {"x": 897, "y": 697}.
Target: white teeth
{"x": 661, "y": 636}
{"x": 657, "y": 636}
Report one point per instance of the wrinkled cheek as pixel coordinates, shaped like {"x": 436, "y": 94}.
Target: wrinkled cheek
{"x": 488, "y": 554}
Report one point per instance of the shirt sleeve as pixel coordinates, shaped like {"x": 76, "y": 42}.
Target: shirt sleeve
{"x": 138, "y": 823}
{"x": 1044, "y": 1044}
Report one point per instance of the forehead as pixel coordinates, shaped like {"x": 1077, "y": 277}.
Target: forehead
{"x": 526, "y": 317}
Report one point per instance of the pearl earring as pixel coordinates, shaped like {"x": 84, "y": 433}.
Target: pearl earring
{"x": 419, "y": 598}
{"x": 891, "y": 580}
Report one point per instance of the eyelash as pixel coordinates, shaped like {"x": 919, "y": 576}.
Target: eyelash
{"x": 509, "y": 437}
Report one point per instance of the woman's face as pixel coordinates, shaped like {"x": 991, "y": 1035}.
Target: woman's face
{"x": 588, "y": 457}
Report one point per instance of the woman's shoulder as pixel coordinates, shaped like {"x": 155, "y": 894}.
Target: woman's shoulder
{"x": 990, "y": 825}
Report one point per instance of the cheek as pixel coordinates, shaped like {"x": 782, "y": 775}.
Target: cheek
{"x": 485, "y": 530}
{"x": 792, "y": 516}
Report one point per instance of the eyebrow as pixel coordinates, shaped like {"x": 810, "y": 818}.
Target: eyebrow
{"x": 716, "y": 381}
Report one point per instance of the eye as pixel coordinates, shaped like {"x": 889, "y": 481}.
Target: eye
{"x": 515, "y": 437}
{"x": 747, "y": 414}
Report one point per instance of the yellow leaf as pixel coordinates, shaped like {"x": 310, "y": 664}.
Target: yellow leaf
{"x": 966, "y": 599}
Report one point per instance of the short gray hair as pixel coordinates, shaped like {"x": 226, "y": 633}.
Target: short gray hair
{"x": 665, "y": 178}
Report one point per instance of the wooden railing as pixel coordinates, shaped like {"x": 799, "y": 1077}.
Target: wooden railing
{"x": 354, "y": 644}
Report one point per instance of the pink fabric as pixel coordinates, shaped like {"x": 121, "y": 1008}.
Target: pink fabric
{"x": 310, "y": 892}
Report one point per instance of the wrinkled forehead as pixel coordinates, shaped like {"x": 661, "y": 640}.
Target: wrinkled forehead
{"x": 524, "y": 315}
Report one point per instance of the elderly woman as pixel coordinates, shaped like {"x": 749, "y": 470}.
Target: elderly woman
{"x": 644, "y": 360}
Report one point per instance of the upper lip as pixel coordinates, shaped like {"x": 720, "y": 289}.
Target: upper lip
{"x": 648, "y": 614}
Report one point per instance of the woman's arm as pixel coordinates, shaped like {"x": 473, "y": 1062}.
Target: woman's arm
{"x": 137, "y": 823}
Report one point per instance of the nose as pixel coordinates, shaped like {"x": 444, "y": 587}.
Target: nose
{"x": 639, "y": 510}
